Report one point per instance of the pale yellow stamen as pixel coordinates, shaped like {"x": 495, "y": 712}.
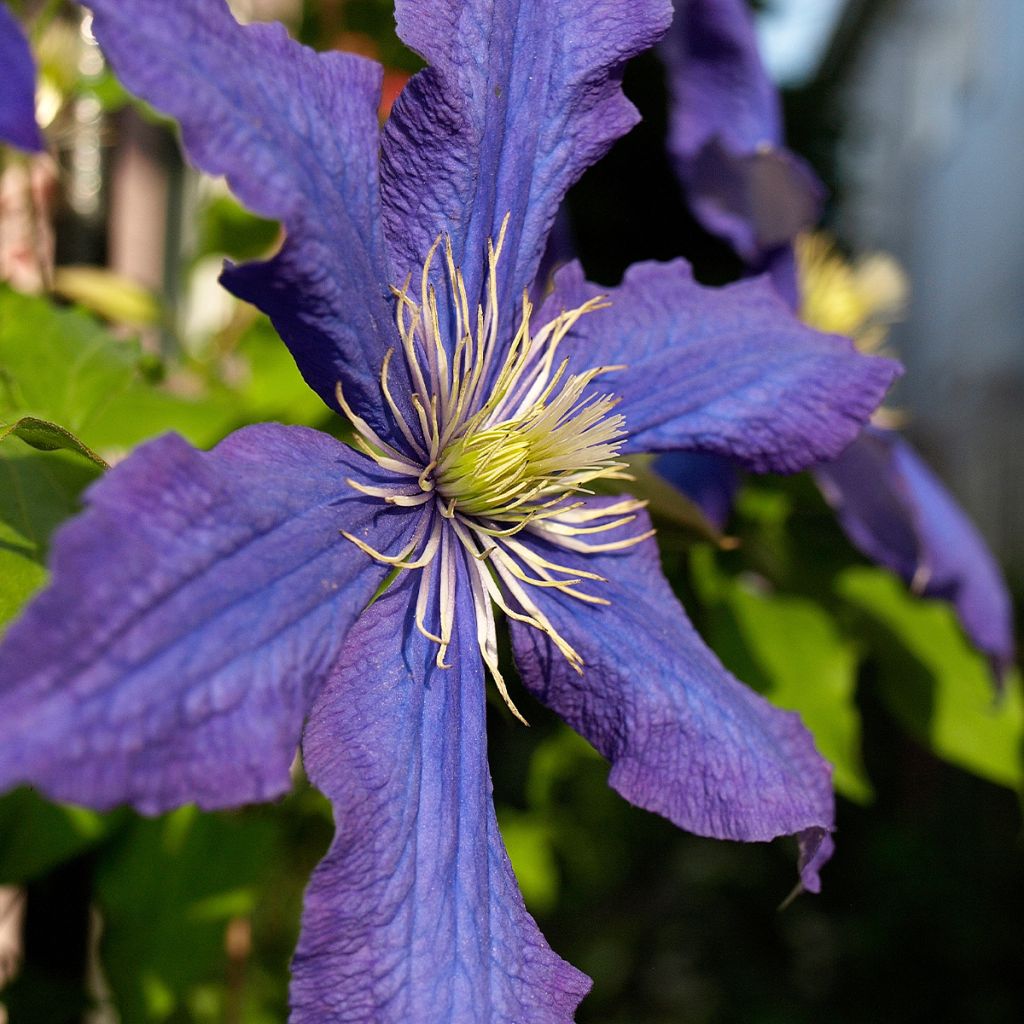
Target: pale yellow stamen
{"x": 502, "y": 451}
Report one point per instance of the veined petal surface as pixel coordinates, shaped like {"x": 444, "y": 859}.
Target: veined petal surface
{"x": 519, "y": 99}
{"x": 898, "y": 513}
{"x": 296, "y": 133}
{"x": 194, "y": 610}
{"x": 18, "y": 94}
{"x": 414, "y": 916}
{"x": 724, "y": 370}
{"x": 685, "y": 739}
{"x": 725, "y": 133}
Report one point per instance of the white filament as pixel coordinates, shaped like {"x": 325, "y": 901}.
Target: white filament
{"x": 499, "y": 459}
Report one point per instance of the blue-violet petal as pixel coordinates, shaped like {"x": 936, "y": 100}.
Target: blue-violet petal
{"x": 725, "y": 133}
{"x": 519, "y": 100}
{"x": 414, "y": 916}
{"x": 18, "y": 95}
{"x": 724, "y": 370}
{"x": 194, "y": 610}
{"x": 899, "y": 514}
{"x": 685, "y": 739}
{"x": 296, "y": 133}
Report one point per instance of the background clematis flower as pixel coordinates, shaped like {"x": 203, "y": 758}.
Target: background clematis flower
{"x": 725, "y": 142}
{"x": 17, "y": 97}
{"x": 726, "y": 139}
{"x": 889, "y": 502}
{"x": 209, "y": 609}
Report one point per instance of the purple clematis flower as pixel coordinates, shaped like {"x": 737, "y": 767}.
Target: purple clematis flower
{"x": 726, "y": 138}
{"x": 17, "y": 95}
{"x": 726, "y": 144}
{"x": 896, "y": 511}
{"x": 209, "y": 609}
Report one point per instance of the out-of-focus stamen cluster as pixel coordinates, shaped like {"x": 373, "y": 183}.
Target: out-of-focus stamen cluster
{"x": 861, "y": 299}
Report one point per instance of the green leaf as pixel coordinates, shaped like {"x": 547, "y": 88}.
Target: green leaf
{"x": 934, "y": 682}
{"x": 227, "y": 228}
{"x": 567, "y": 793}
{"x": 37, "y": 492}
{"x": 20, "y": 577}
{"x": 36, "y": 835}
{"x": 70, "y": 389}
{"x": 167, "y": 892}
{"x": 48, "y": 437}
{"x": 58, "y": 365}
{"x": 528, "y": 841}
{"x": 64, "y": 367}
{"x": 68, "y": 386}
{"x": 272, "y": 387}
{"x": 792, "y": 651}
{"x": 143, "y": 412}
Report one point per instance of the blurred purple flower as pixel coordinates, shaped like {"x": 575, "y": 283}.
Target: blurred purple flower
{"x": 17, "y": 95}
{"x": 896, "y": 511}
{"x": 208, "y": 609}
{"x": 725, "y": 140}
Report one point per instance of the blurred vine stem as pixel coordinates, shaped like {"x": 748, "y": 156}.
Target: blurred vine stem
{"x": 46, "y": 11}
{"x": 238, "y": 946}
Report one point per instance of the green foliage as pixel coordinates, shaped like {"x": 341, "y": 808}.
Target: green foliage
{"x": 791, "y": 650}
{"x": 566, "y": 794}
{"x": 71, "y": 370}
{"x": 168, "y": 890}
{"x": 49, "y": 437}
{"x": 82, "y": 397}
{"x": 227, "y": 227}
{"x": 36, "y": 835}
{"x": 528, "y": 840}
{"x": 77, "y": 375}
{"x": 37, "y": 492}
{"x": 271, "y": 387}
{"x": 934, "y": 682}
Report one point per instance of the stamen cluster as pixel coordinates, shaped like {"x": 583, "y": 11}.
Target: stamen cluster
{"x": 503, "y": 452}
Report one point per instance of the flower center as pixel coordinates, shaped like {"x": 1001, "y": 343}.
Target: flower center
{"x": 548, "y": 449}
{"x": 498, "y": 456}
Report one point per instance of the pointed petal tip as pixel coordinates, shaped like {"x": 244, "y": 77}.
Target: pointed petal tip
{"x": 816, "y": 847}
{"x": 685, "y": 738}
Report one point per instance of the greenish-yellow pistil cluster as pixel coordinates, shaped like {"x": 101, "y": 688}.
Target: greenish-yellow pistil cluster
{"x": 501, "y": 448}
{"x": 509, "y": 470}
